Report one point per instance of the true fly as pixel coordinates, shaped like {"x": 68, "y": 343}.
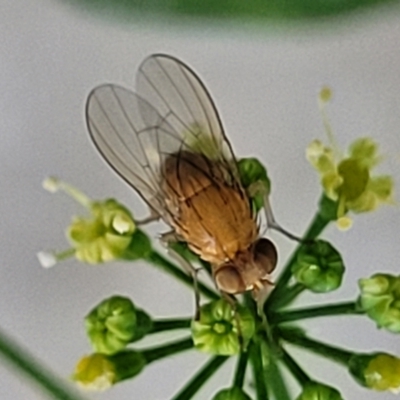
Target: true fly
{"x": 166, "y": 140}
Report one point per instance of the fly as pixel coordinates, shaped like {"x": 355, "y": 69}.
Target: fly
{"x": 166, "y": 140}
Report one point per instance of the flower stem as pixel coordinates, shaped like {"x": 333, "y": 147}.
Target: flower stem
{"x": 276, "y": 383}
{"x": 347, "y": 308}
{"x": 316, "y": 227}
{"x": 287, "y": 296}
{"x": 162, "y": 325}
{"x": 200, "y": 378}
{"x": 294, "y": 368}
{"x": 166, "y": 350}
{"x": 334, "y": 353}
{"x": 241, "y": 369}
{"x": 258, "y": 372}
{"x": 29, "y": 365}
{"x": 158, "y": 260}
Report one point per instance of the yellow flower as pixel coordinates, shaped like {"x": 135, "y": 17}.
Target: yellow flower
{"x": 95, "y": 372}
{"x": 99, "y": 371}
{"x": 107, "y": 233}
{"x": 104, "y": 235}
{"x": 383, "y": 373}
{"x": 347, "y": 180}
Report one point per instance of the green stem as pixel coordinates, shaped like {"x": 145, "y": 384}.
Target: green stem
{"x": 241, "y": 369}
{"x": 166, "y": 350}
{"x": 287, "y": 296}
{"x": 348, "y": 308}
{"x": 276, "y": 383}
{"x": 30, "y": 366}
{"x": 65, "y": 254}
{"x": 162, "y": 325}
{"x": 316, "y": 227}
{"x": 158, "y": 260}
{"x": 258, "y": 372}
{"x": 334, "y": 353}
{"x": 200, "y": 378}
{"x": 294, "y": 368}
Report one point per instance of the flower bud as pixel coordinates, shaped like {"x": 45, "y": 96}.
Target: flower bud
{"x": 234, "y": 393}
{"x": 380, "y": 299}
{"x": 99, "y": 372}
{"x": 139, "y": 247}
{"x": 318, "y": 391}
{"x": 254, "y": 178}
{"x": 114, "y": 323}
{"x": 105, "y": 235}
{"x": 95, "y": 372}
{"x": 379, "y": 371}
{"x": 319, "y": 267}
{"x": 222, "y": 329}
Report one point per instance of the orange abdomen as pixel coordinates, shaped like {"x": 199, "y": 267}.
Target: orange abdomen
{"x": 214, "y": 218}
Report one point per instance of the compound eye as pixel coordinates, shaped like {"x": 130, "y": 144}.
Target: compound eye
{"x": 229, "y": 280}
{"x": 265, "y": 255}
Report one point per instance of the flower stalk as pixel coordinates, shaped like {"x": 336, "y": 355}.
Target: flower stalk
{"x": 200, "y": 378}
{"x": 157, "y": 353}
{"x": 26, "y": 363}
{"x": 317, "y": 225}
{"x": 334, "y": 353}
{"x": 156, "y": 259}
{"x": 347, "y": 308}
{"x": 241, "y": 367}
{"x": 163, "y": 325}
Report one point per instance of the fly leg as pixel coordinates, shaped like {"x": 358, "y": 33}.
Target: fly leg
{"x": 271, "y": 222}
{"x": 234, "y": 303}
{"x": 150, "y": 218}
{"x": 167, "y": 239}
{"x": 260, "y": 294}
{"x": 259, "y": 188}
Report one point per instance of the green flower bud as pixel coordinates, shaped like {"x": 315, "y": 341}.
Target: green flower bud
{"x": 139, "y": 247}
{"x": 99, "y": 372}
{"x": 380, "y": 299}
{"x": 318, "y": 391}
{"x": 222, "y": 329}
{"x": 105, "y": 235}
{"x": 319, "y": 267}
{"x": 379, "y": 371}
{"x": 254, "y": 178}
{"x": 234, "y": 393}
{"x": 114, "y": 323}
{"x": 127, "y": 364}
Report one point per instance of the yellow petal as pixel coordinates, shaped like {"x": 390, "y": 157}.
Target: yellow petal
{"x": 344, "y": 223}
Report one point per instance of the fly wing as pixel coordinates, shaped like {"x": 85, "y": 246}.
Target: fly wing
{"x": 184, "y": 103}
{"x": 173, "y": 113}
{"x": 127, "y": 142}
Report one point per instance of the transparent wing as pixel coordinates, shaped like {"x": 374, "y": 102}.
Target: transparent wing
{"x": 185, "y": 104}
{"x": 129, "y": 144}
{"x": 173, "y": 114}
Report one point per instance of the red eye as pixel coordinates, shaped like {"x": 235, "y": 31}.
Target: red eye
{"x": 229, "y": 280}
{"x": 265, "y": 255}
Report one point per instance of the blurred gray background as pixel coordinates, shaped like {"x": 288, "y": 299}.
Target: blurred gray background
{"x": 264, "y": 79}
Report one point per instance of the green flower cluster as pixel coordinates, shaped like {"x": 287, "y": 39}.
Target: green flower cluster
{"x": 319, "y": 267}
{"x": 380, "y": 299}
{"x": 223, "y": 329}
{"x": 115, "y": 323}
{"x": 254, "y": 332}
{"x": 347, "y": 180}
